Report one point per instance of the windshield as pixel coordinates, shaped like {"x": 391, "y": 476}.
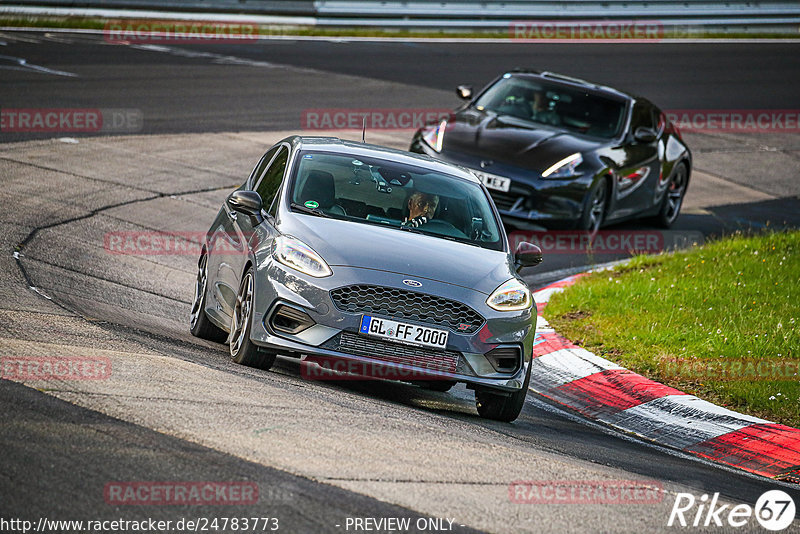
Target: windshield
{"x": 554, "y": 105}
{"x": 408, "y": 198}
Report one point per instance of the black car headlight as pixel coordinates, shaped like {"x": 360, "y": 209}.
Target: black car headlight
{"x": 564, "y": 168}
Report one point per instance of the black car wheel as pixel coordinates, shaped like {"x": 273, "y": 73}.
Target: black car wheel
{"x": 499, "y": 407}
{"x": 595, "y": 209}
{"x": 673, "y": 198}
{"x": 199, "y": 324}
{"x": 243, "y": 350}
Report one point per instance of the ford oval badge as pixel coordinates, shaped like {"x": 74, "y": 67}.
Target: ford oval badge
{"x": 412, "y": 283}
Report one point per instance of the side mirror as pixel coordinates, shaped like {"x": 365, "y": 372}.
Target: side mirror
{"x": 248, "y": 203}
{"x": 527, "y": 255}
{"x": 644, "y": 135}
{"x": 464, "y": 92}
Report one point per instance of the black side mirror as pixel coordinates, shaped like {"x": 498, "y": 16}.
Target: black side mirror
{"x": 464, "y": 92}
{"x": 644, "y": 135}
{"x": 527, "y": 255}
{"x": 248, "y": 203}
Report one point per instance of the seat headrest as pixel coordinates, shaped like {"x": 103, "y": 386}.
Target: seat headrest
{"x": 319, "y": 187}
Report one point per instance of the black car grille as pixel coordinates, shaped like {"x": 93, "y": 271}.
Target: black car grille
{"x": 387, "y": 351}
{"x": 402, "y": 304}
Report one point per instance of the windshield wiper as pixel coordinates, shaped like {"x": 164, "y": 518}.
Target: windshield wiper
{"x": 310, "y": 211}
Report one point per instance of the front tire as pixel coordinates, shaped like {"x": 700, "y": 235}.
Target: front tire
{"x": 199, "y": 323}
{"x": 594, "y": 211}
{"x": 673, "y": 197}
{"x": 505, "y": 408}
{"x": 244, "y": 351}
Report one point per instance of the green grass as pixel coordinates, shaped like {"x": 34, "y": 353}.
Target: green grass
{"x": 736, "y": 300}
{"x": 97, "y": 23}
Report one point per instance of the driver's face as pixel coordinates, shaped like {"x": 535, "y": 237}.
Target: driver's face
{"x": 423, "y": 205}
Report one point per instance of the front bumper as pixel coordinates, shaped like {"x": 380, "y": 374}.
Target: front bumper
{"x": 530, "y": 199}
{"x": 335, "y": 333}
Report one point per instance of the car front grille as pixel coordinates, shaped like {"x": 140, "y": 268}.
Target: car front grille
{"x": 402, "y": 304}
{"x": 388, "y": 351}
{"x": 504, "y": 201}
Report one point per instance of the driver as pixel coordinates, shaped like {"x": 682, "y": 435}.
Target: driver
{"x": 421, "y": 207}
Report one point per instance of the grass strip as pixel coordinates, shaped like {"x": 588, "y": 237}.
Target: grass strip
{"x": 720, "y": 321}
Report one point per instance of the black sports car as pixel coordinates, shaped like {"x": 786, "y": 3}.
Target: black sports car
{"x": 563, "y": 152}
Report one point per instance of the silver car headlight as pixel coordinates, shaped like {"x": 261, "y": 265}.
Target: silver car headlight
{"x": 511, "y": 296}
{"x": 564, "y": 168}
{"x": 293, "y": 253}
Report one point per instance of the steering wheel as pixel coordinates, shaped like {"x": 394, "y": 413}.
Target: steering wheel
{"x": 438, "y": 226}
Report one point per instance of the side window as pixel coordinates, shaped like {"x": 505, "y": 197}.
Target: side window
{"x": 271, "y": 180}
{"x": 262, "y": 164}
{"x": 273, "y": 209}
{"x": 642, "y": 116}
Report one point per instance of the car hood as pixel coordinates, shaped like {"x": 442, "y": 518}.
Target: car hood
{"x": 511, "y": 140}
{"x": 352, "y": 244}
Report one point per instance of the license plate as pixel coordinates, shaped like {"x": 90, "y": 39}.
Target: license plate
{"x": 410, "y": 334}
{"x": 492, "y": 181}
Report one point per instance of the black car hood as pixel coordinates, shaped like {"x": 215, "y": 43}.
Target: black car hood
{"x": 352, "y": 244}
{"x": 511, "y": 140}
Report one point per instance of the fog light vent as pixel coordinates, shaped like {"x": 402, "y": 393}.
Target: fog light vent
{"x": 290, "y": 320}
{"x": 504, "y": 359}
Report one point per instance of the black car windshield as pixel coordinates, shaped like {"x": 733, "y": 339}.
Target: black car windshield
{"x": 554, "y": 105}
{"x": 386, "y": 193}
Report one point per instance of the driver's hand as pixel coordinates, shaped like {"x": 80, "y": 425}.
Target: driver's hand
{"x": 416, "y": 222}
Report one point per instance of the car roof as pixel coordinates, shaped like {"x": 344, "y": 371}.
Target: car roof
{"x": 574, "y": 82}
{"x": 356, "y": 148}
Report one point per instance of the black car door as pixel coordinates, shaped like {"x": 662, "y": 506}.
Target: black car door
{"x": 638, "y": 173}
{"x": 228, "y": 247}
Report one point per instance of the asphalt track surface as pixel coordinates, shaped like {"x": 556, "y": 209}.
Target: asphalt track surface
{"x": 177, "y": 409}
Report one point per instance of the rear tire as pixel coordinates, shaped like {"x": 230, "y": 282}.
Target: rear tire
{"x": 594, "y": 211}
{"x": 505, "y": 408}
{"x": 244, "y": 351}
{"x": 199, "y": 323}
{"x": 673, "y": 197}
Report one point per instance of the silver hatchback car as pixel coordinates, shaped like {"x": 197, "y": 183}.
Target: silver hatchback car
{"x": 373, "y": 261}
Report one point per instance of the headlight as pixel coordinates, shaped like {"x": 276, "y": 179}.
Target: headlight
{"x": 297, "y": 255}
{"x": 564, "y": 168}
{"x": 511, "y": 296}
{"x": 435, "y": 136}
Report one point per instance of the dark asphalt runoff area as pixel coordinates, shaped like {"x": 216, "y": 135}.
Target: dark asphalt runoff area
{"x": 197, "y": 91}
{"x": 177, "y": 409}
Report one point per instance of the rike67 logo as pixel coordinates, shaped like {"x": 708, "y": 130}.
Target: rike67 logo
{"x": 774, "y": 510}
